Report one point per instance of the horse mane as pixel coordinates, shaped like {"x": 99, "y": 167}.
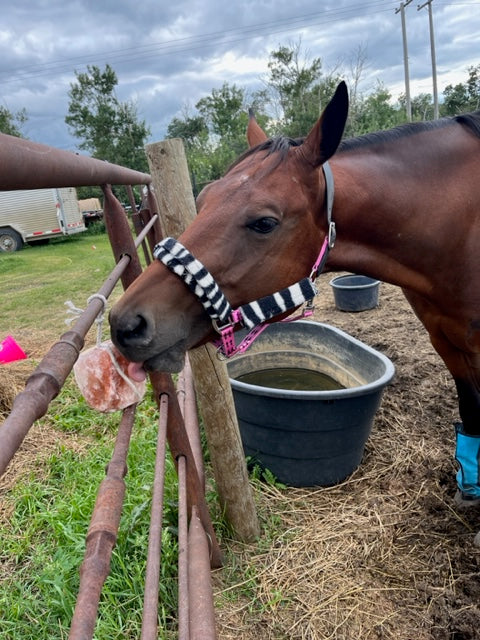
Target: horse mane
{"x": 280, "y": 145}
{"x": 470, "y": 120}
{"x": 272, "y": 146}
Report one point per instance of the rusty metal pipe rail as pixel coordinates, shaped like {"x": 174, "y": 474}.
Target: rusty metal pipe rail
{"x": 48, "y": 378}
{"x": 102, "y": 534}
{"x": 152, "y": 575}
{"x": 179, "y": 444}
{"x": 183, "y": 597}
{"x": 30, "y": 165}
{"x": 196, "y": 617}
{"x": 188, "y": 407}
{"x": 200, "y": 611}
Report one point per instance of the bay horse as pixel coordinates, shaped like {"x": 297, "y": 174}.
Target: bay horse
{"x": 406, "y": 210}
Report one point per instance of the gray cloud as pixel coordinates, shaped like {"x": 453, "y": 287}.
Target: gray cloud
{"x": 167, "y": 55}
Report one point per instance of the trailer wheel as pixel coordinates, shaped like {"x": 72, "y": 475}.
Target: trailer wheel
{"x": 10, "y": 240}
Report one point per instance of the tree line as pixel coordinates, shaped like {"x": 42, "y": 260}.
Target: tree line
{"x": 293, "y": 95}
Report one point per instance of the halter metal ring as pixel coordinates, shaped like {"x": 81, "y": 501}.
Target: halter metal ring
{"x": 332, "y": 235}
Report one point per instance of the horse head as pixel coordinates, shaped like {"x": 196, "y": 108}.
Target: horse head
{"x": 258, "y": 230}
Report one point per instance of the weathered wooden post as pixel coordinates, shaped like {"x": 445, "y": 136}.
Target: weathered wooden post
{"x": 173, "y": 191}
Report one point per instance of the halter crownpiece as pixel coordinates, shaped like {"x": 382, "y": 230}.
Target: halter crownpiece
{"x": 253, "y": 315}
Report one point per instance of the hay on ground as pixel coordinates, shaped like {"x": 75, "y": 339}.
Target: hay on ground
{"x": 385, "y": 555}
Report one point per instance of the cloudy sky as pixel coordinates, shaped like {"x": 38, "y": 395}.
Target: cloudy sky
{"x": 169, "y": 54}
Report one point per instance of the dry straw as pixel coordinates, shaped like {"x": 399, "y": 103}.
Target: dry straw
{"x": 384, "y": 555}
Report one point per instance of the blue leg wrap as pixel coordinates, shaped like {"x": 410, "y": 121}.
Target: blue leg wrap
{"x": 467, "y": 455}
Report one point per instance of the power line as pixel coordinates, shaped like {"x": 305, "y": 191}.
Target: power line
{"x": 192, "y": 43}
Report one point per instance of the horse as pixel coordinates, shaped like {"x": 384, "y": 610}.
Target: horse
{"x": 401, "y": 206}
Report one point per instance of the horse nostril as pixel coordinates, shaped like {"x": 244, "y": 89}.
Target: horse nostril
{"x": 133, "y": 333}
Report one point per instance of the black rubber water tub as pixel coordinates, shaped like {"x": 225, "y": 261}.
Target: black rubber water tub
{"x": 309, "y": 437}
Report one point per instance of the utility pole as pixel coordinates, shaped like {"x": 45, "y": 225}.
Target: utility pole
{"x": 401, "y": 10}
{"x": 434, "y": 62}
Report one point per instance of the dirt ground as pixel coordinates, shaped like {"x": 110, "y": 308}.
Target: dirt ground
{"x": 386, "y": 554}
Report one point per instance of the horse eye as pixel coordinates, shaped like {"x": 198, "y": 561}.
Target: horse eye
{"x": 263, "y": 225}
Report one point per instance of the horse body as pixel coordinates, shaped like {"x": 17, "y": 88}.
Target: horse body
{"x": 415, "y": 222}
{"x": 407, "y": 211}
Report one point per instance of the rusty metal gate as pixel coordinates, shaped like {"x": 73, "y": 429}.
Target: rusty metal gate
{"x": 26, "y": 165}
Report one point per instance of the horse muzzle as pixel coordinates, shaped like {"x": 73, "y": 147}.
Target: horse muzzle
{"x": 159, "y": 345}
{"x": 136, "y": 340}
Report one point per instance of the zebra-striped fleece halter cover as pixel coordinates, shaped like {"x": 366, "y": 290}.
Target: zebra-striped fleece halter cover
{"x": 201, "y": 282}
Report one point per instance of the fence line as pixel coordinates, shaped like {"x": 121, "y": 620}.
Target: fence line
{"x": 29, "y": 165}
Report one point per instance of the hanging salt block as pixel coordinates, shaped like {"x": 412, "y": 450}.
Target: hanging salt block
{"x": 101, "y": 375}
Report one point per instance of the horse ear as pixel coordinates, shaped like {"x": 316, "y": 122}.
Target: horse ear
{"x": 255, "y": 134}
{"x": 323, "y": 140}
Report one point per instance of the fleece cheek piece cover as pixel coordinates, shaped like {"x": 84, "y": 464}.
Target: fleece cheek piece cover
{"x": 467, "y": 454}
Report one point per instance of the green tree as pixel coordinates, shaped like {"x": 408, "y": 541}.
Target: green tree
{"x": 298, "y": 85}
{"x": 224, "y": 112}
{"x": 463, "y": 97}
{"x": 215, "y": 135}
{"x": 295, "y": 81}
{"x": 375, "y": 112}
{"x": 11, "y": 123}
{"x": 192, "y": 129}
{"x": 422, "y": 107}
{"x": 108, "y": 129}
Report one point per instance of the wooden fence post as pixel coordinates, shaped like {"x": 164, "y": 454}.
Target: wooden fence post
{"x": 173, "y": 191}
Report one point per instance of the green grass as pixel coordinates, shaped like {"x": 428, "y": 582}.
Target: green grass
{"x": 50, "y": 505}
{"x": 44, "y": 540}
{"x": 39, "y": 280}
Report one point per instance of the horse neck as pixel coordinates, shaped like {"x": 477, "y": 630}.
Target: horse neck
{"x": 375, "y": 219}
{"x": 403, "y": 206}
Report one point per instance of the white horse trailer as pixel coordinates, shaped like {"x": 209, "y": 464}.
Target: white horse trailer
{"x": 37, "y": 215}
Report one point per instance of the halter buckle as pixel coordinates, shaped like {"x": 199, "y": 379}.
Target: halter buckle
{"x": 226, "y": 343}
{"x": 235, "y": 318}
{"x": 220, "y": 328}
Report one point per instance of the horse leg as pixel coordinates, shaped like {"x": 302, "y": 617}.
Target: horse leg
{"x": 467, "y": 451}
{"x": 459, "y": 349}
